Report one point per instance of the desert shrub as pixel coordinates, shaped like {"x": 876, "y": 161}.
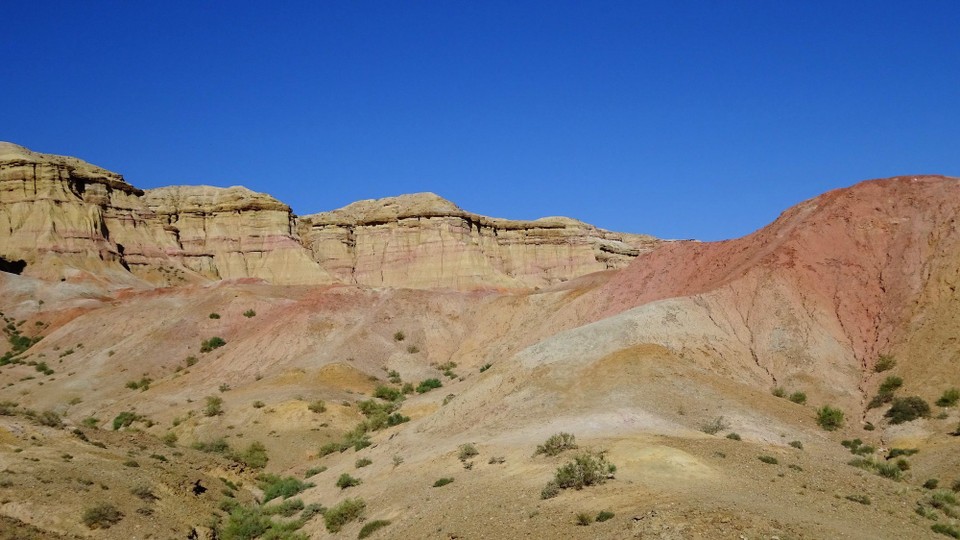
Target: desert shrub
{"x": 210, "y": 344}
{"x": 142, "y": 385}
{"x": 584, "y": 519}
{"x": 345, "y": 481}
{"x": 313, "y": 471}
{"x": 7, "y": 408}
{"x": 778, "y": 391}
{"x": 259, "y": 404}
{"x": 797, "y": 444}
{"x": 125, "y": 419}
{"x": 907, "y": 409}
{"x": 467, "y": 451}
{"x": 214, "y": 315}
{"x": 712, "y": 427}
{"x": 190, "y": 361}
{"x": 214, "y": 406}
{"x": 557, "y": 443}
{"x": 943, "y": 498}
{"x": 169, "y": 438}
{"x": 442, "y": 482}
{"x": 949, "y": 398}
{"x": 216, "y": 446}
{"x": 372, "y": 526}
{"x": 255, "y": 456}
{"x": 770, "y": 460}
{"x": 931, "y": 484}
{"x": 903, "y": 464}
{"x": 249, "y": 313}
{"x": 413, "y": 349}
{"x": 399, "y": 335}
{"x": 550, "y": 490}
{"x": 144, "y": 492}
{"x": 274, "y": 486}
{"x": 317, "y": 406}
{"x": 397, "y": 460}
{"x": 224, "y": 387}
{"x": 286, "y": 508}
{"x": 348, "y": 510}
{"x": 407, "y": 388}
{"x": 49, "y": 419}
{"x": 888, "y": 470}
{"x": 890, "y": 384}
{"x": 946, "y": 530}
{"x": 955, "y": 487}
{"x": 362, "y": 462}
{"x": 798, "y": 397}
{"x": 604, "y": 515}
{"x": 585, "y": 469}
{"x": 102, "y": 516}
{"x": 388, "y": 393}
{"x": 428, "y": 385}
{"x": 859, "y": 498}
{"x": 734, "y": 436}
{"x": 897, "y": 452}
{"x": 884, "y": 363}
{"x": 485, "y": 367}
{"x": 496, "y": 460}
{"x": 829, "y": 418}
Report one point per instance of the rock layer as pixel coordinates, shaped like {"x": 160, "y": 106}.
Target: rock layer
{"x": 60, "y": 215}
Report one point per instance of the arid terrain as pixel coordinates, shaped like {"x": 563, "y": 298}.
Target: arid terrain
{"x": 173, "y": 358}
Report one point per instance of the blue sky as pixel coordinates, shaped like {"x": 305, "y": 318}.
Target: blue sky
{"x": 680, "y": 119}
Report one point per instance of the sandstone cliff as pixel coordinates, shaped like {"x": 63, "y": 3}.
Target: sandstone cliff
{"x": 423, "y": 240}
{"x": 60, "y": 216}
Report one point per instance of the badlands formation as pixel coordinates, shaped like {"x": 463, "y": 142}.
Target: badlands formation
{"x": 175, "y": 357}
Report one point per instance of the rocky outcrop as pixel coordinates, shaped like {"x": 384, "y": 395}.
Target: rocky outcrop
{"x": 60, "y": 215}
{"x": 423, "y": 240}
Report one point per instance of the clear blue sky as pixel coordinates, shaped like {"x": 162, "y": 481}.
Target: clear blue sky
{"x": 680, "y": 119}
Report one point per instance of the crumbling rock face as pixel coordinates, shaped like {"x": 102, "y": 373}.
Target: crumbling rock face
{"x": 423, "y": 240}
{"x": 61, "y": 215}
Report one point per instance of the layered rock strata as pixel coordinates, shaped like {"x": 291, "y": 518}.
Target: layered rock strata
{"x": 60, "y": 215}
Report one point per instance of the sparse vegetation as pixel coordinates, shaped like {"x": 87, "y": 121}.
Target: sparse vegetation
{"x": 102, "y": 516}
{"x": 343, "y": 513}
{"x": 249, "y": 313}
{"x": 214, "y": 406}
{"x": 798, "y": 397}
{"x": 946, "y": 530}
{"x": 949, "y": 398}
{"x": 734, "y": 436}
{"x": 485, "y": 367}
{"x": 313, "y": 471}
{"x": 317, "y": 406}
{"x": 467, "y": 451}
{"x": 259, "y": 404}
{"x": 712, "y": 427}
{"x": 859, "y": 498}
{"x": 399, "y": 335}
{"x": 125, "y": 419}
{"x": 604, "y": 515}
{"x": 557, "y": 443}
{"x": 442, "y": 482}
{"x": 907, "y": 409}
{"x": 829, "y": 418}
{"x": 585, "y": 469}
{"x": 274, "y": 486}
{"x": 884, "y": 363}
{"x": 255, "y": 456}
{"x": 210, "y": 344}
{"x": 428, "y": 385}
{"x": 770, "y": 460}
{"x": 931, "y": 484}
{"x": 372, "y": 526}
{"x": 214, "y": 315}
{"x": 778, "y": 391}
{"x": 142, "y": 385}
{"x": 413, "y": 349}
{"x": 346, "y": 481}
{"x": 388, "y": 393}
{"x": 797, "y": 444}
{"x": 362, "y": 462}
{"x": 584, "y": 519}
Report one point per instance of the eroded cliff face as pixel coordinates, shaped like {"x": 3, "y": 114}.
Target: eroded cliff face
{"x": 65, "y": 218}
{"x": 423, "y": 240}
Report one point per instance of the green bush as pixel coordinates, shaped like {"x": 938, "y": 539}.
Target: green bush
{"x": 907, "y": 409}
{"x": 829, "y": 418}
{"x": 274, "y": 486}
{"x": 102, "y": 516}
{"x": 604, "y": 516}
{"x": 249, "y": 313}
{"x": 313, "y": 471}
{"x": 884, "y": 363}
{"x": 734, "y": 436}
{"x": 584, "y": 519}
{"x": 372, "y": 526}
{"x": 949, "y": 398}
{"x": 428, "y": 385}
{"x": 467, "y": 451}
{"x": 891, "y": 384}
{"x": 125, "y": 419}
{"x": 210, "y": 344}
{"x": 216, "y": 446}
{"x": 798, "y": 397}
{"x": 442, "y": 482}
{"x": 255, "y": 456}
{"x": 770, "y": 460}
{"x": 585, "y": 469}
{"x": 343, "y": 513}
{"x": 557, "y": 443}
{"x": 931, "y": 484}
{"x": 362, "y": 462}
{"x": 214, "y": 315}
{"x": 346, "y": 481}
{"x": 388, "y": 393}
{"x": 946, "y": 530}
{"x": 797, "y": 444}
{"x": 214, "y": 406}
{"x": 888, "y": 470}
{"x": 550, "y": 490}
